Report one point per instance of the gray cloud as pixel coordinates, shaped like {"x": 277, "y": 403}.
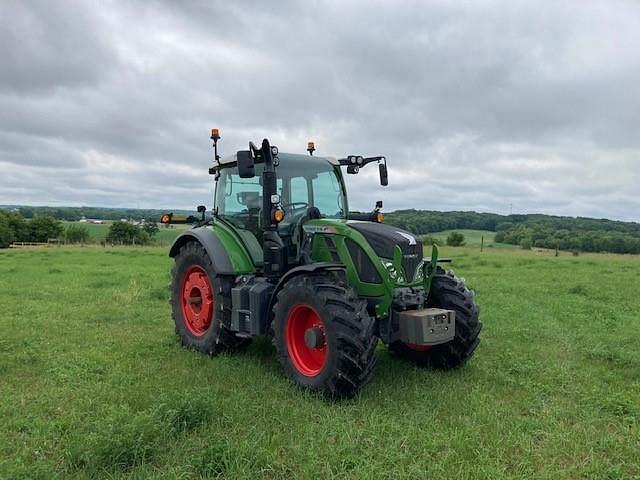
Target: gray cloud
{"x": 478, "y": 105}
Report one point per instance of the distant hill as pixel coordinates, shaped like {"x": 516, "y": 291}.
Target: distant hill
{"x": 98, "y": 213}
{"x": 537, "y": 230}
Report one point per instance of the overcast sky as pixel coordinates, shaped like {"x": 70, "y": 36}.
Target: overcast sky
{"x": 477, "y": 105}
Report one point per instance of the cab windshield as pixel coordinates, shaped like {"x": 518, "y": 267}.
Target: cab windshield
{"x": 302, "y": 182}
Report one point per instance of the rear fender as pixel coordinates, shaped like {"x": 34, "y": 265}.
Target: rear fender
{"x": 228, "y": 255}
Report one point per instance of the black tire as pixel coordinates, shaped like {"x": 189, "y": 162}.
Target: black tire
{"x": 348, "y": 329}
{"x": 217, "y": 337}
{"x": 448, "y": 292}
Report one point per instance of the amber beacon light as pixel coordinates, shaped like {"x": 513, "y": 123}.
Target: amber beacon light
{"x": 311, "y": 147}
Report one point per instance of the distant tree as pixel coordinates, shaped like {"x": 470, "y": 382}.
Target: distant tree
{"x": 13, "y": 228}
{"x": 525, "y": 243}
{"x": 126, "y": 233}
{"x": 142, "y": 238}
{"x": 76, "y": 234}
{"x": 43, "y": 227}
{"x": 26, "y": 212}
{"x": 122, "y": 232}
{"x": 6, "y": 233}
{"x": 150, "y": 226}
{"x": 503, "y": 226}
{"x": 455, "y": 239}
{"x": 429, "y": 240}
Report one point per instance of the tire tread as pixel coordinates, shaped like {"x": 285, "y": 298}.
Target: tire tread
{"x": 354, "y": 334}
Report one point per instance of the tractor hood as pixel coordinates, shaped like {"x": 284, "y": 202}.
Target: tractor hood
{"x": 383, "y": 240}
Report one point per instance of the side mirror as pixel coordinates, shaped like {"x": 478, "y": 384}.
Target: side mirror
{"x": 384, "y": 177}
{"x": 201, "y": 210}
{"x": 246, "y": 166}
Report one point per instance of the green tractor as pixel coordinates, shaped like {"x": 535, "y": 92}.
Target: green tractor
{"x": 281, "y": 255}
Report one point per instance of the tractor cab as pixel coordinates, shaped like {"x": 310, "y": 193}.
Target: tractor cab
{"x": 307, "y": 188}
{"x": 268, "y": 197}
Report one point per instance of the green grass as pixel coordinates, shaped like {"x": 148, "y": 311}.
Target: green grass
{"x": 94, "y": 383}
{"x": 472, "y": 238}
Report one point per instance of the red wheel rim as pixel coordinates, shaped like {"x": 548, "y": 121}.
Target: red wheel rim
{"x": 309, "y": 361}
{"x": 418, "y": 348}
{"x": 197, "y": 301}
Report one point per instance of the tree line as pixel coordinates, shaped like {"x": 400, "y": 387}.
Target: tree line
{"x": 536, "y": 230}
{"x": 73, "y": 214}
{"x": 540, "y": 234}
{"x": 14, "y": 228}
{"x": 428, "y": 221}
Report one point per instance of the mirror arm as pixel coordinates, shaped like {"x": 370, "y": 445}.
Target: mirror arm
{"x": 375, "y": 159}
{"x": 380, "y": 158}
{"x": 255, "y": 151}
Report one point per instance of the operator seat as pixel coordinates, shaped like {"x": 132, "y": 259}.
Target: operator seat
{"x": 253, "y": 202}
{"x": 313, "y": 213}
{"x": 251, "y": 222}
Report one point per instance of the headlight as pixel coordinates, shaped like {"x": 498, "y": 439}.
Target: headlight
{"x": 393, "y": 272}
{"x": 419, "y": 272}
{"x": 398, "y": 276}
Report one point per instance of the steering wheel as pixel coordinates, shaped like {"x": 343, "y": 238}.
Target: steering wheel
{"x": 293, "y": 206}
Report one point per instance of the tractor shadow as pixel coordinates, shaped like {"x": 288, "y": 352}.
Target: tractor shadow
{"x": 392, "y": 376}
{"x": 262, "y": 351}
{"x": 395, "y": 376}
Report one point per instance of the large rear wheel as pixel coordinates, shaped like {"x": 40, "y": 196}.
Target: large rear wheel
{"x": 448, "y": 292}
{"x": 324, "y": 335}
{"x": 199, "y": 303}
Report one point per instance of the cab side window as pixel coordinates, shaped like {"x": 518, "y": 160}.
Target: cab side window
{"x": 299, "y": 190}
{"x": 242, "y": 195}
{"x": 327, "y": 196}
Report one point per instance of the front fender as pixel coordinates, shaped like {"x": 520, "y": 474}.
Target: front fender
{"x": 302, "y": 269}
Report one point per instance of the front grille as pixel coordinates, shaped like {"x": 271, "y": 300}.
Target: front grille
{"x": 365, "y": 269}
{"x": 411, "y": 258}
{"x": 384, "y": 239}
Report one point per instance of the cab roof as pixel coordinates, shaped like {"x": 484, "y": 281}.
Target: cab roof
{"x": 231, "y": 160}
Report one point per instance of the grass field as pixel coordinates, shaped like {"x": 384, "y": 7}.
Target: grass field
{"x": 472, "y": 238}
{"x": 98, "y": 232}
{"x": 94, "y": 383}
{"x": 165, "y": 236}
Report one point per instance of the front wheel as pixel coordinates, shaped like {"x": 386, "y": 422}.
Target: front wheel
{"x": 324, "y": 335}
{"x": 448, "y": 292}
